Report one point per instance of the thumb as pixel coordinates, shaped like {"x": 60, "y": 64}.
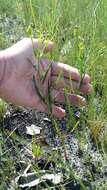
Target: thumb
{"x": 46, "y": 46}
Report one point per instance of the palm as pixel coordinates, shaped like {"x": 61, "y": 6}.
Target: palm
{"x": 19, "y": 87}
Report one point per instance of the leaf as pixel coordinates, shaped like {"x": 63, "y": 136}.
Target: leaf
{"x": 45, "y": 74}
{"x": 38, "y": 90}
{"x": 75, "y": 126}
{"x": 49, "y": 100}
{"x": 56, "y": 178}
{"x": 46, "y": 119}
{"x": 66, "y": 48}
{"x": 25, "y": 180}
{"x": 33, "y": 130}
{"x": 33, "y": 181}
{"x": 37, "y": 151}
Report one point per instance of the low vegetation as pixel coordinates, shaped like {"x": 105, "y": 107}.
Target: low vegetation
{"x": 72, "y": 153}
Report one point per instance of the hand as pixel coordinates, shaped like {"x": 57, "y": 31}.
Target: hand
{"x": 17, "y": 85}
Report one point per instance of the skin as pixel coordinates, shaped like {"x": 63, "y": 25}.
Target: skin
{"x": 16, "y": 85}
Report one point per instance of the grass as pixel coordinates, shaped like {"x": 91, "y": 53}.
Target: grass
{"x": 80, "y": 31}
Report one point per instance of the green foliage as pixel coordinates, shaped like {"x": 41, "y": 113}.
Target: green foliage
{"x": 36, "y": 149}
{"x": 3, "y": 109}
{"x": 7, "y": 7}
{"x": 80, "y": 31}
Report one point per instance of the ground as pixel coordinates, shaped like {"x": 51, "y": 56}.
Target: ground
{"x": 70, "y": 154}
{"x": 86, "y": 163}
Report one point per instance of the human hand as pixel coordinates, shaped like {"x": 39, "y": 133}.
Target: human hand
{"x": 17, "y": 85}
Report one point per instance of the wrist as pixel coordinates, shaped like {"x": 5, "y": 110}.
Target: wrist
{"x": 3, "y": 63}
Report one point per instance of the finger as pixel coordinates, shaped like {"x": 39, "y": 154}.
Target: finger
{"x": 86, "y": 88}
{"x": 45, "y": 46}
{"x": 65, "y": 71}
{"x": 56, "y": 111}
{"x": 73, "y": 99}
{"x": 61, "y": 82}
{"x": 86, "y": 79}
